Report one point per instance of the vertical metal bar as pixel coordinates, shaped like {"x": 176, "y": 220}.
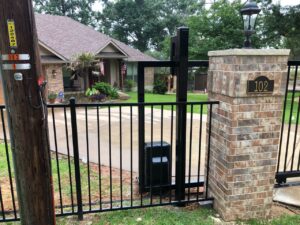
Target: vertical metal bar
{"x": 199, "y": 155}
{"x": 171, "y": 155}
{"x": 290, "y": 120}
{"x": 131, "y": 160}
{"x": 190, "y": 151}
{"x": 110, "y": 169}
{"x": 295, "y": 137}
{"x": 76, "y": 157}
{"x": 141, "y": 107}
{"x": 69, "y": 162}
{"x": 57, "y": 162}
{"x": 88, "y": 156}
{"x": 181, "y": 96}
{"x": 172, "y": 54}
{"x": 121, "y": 178}
{"x": 208, "y": 149}
{"x": 8, "y": 164}
{"x": 99, "y": 159}
{"x": 161, "y": 151}
{"x": 150, "y": 160}
{"x": 283, "y": 117}
{"x": 1, "y": 204}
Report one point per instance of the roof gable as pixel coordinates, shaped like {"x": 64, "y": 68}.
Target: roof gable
{"x": 111, "y": 47}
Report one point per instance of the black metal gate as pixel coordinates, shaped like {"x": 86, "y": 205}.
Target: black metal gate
{"x": 289, "y": 148}
{"x": 115, "y": 156}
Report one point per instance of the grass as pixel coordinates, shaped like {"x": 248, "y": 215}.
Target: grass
{"x": 283, "y": 220}
{"x": 65, "y": 180}
{"x": 171, "y": 98}
{"x": 166, "y": 216}
{"x": 289, "y": 101}
{"x": 192, "y": 97}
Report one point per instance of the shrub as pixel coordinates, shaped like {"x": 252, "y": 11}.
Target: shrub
{"x": 91, "y": 91}
{"x": 129, "y": 84}
{"x": 106, "y": 89}
{"x": 160, "y": 86}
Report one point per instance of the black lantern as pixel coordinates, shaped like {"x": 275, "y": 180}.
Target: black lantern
{"x": 249, "y": 13}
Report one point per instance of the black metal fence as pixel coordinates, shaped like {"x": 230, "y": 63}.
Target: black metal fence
{"x": 95, "y": 157}
{"x": 289, "y": 148}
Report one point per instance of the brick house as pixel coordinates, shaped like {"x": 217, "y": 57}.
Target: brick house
{"x": 62, "y": 38}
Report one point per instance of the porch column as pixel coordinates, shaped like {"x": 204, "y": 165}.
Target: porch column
{"x": 245, "y": 132}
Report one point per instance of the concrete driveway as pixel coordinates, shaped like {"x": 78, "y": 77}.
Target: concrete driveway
{"x": 120, "y": 143}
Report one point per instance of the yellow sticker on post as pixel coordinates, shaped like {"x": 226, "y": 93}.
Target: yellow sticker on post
{"x": 12, "y": 34}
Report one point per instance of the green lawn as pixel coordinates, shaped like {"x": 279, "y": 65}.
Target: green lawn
{"x": 165, "y": 216}
{"x": 203, "y": 97}
{"x": 171, "y": 98}
{"x": 295, "y": 108}
{"x": 166, "y": 98}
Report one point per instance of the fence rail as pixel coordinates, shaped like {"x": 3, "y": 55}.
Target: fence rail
{"x": 95, "y": 154}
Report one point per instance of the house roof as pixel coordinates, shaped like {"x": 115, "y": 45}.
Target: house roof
{"x": 66, "y": 38}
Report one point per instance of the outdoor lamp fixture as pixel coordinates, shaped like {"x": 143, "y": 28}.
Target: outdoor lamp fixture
{"x": 54, "y": 73}
{"x": 249, "y": 13}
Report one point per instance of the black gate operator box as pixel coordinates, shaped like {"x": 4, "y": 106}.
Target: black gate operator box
{"x": 157, "y": 165}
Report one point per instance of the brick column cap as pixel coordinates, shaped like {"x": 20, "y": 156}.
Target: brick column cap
{"x": 250, "y": 52}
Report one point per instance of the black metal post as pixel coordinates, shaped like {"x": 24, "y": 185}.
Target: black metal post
{"x": 181, "y": 55}
{"x": 76, "y": 158}
{"x": 172, "y": 54}
{"x": 141, "y": 117}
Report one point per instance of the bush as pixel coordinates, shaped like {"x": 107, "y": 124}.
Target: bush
{"x": 129, "y": 85}
{"x": 91, "y": 91}
{"x": 160, "y": 86}
{"x": 106, "y": 89}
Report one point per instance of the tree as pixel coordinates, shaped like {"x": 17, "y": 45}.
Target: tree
{"x": 280, "y": 28}
{"x": 218, "y": 27}
{"x": 80, "y": 10}
{"x": 145, "y": 23}
{"x": 81, "y": 66}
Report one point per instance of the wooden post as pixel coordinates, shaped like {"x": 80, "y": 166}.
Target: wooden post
{"x": 27, "y": 114}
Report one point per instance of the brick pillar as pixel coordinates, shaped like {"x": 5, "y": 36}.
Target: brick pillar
{"x": 245, "y": 130}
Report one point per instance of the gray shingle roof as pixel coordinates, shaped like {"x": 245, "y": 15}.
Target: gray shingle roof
{"x": 68, "y": 38}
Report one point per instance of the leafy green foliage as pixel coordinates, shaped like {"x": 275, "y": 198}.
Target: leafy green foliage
{"x": 82, "y": 61}
{"x": 280, "y": 28}
{"x": 81, "y": 66}
{"x": 160, "y": 85}
{"x": 106, "y": 89}
{"x": 129, "y": 84}
{"x": 94, "y": 95}
{"x": 91, "y": 91}
{"x": 52, "y": 95}
{"x": 215, "y": 28}
{"x": 80, "y": 10}
{"x": 144, "y": 23}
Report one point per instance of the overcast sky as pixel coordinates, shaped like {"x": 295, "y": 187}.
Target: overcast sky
{"x": 98, "y": 6}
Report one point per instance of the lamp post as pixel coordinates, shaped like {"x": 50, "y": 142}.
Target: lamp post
{"x": 249, "y": 13}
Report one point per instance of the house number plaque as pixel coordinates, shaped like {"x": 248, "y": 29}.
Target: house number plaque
{"x": 260, "y": 85}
